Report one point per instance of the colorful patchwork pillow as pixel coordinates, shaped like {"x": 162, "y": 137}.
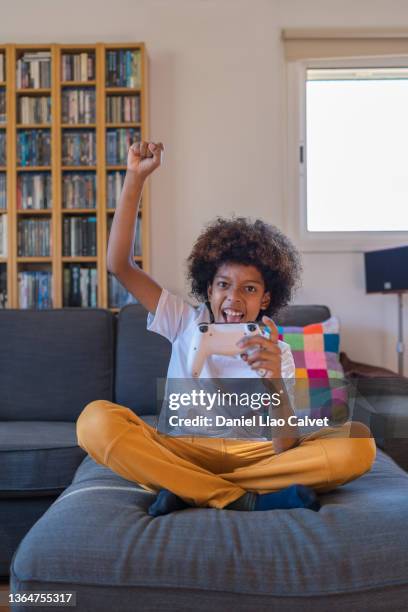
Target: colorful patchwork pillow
{"x": 320, "y": 385}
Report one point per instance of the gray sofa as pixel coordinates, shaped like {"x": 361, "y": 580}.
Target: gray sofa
{"x": 73, "y": 525}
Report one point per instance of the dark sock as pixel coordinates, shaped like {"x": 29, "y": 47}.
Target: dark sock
{"x": 295, "y": 496}
{"x": 166, "y": 502}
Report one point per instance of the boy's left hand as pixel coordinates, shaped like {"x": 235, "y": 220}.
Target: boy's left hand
{"x": 268, "y": 355}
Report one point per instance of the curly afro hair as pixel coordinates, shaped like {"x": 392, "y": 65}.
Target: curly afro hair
{"x": 239, "y": 240}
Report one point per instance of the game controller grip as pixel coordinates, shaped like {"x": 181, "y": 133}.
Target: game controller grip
{"x": 196, "y": 363}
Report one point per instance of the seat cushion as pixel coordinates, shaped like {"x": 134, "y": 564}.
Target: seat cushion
{"x": 54, "y": 362}
{"x": 142, "y": 358}
{"x": 37, "y": 458}
{"x": 352, "y": 553}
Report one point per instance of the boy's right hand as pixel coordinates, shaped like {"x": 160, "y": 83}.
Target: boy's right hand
{"x": 144, "y": 157}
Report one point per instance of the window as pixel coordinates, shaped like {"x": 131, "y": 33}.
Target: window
{"x": 346, "y": 176}
{"x": 356, "y": 175}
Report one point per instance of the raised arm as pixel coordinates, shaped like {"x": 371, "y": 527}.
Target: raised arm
{"x": 143, "y": 159}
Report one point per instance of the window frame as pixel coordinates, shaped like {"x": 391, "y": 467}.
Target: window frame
{"x": 295, "y": 176}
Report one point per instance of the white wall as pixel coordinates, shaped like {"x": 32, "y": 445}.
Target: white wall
{"x": 217, "y": 91}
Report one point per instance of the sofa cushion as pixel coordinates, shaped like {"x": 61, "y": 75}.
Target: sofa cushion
{"x": 319, "y": 388}
{"x": 106, "y": 547}
{"x": 54, "y": 362}
{"x": 300, "y": 315}
{"x": 37, "y": 458}
{"x": 17, "y": 516}
{"x": 142, "y": 357}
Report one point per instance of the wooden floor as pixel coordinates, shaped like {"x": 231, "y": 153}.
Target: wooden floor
{"x": 4, "y": 586}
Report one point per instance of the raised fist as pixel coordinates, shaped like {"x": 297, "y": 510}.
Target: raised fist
{"x": 144, "y": 157}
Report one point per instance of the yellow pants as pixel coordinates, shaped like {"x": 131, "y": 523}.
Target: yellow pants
{"x": 216, "y": 471}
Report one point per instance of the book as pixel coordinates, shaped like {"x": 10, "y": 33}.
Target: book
{"x": 78, "y": 66}
{"x": 79, "y": 190}
{"x": 34, "y": 191}
{"x": 78, "y": 106}
{"x": 2, "y": 68}
{"x": 3, "y": 286}
{"x": 3, "y": 235}
{"x": 123, "y": 109}
{"x": 34, "y": 109}
{"x": 34, "y": 147}
{"x": 2, "y": 105}
{"x": 78, "y": 148}
{"x": 33, "y": 237}
{"x": 34, "y": 70}
{"x": 118, "y": 142}
{"x": 3, "y": 191}
{"x": 123, "y": 68}
{"x": 35, "y": 289}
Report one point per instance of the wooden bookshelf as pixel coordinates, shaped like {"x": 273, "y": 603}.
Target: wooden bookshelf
{"x": 63, "y": 101}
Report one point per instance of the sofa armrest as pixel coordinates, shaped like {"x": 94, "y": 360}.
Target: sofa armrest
{"x": 364, "y": 370}
{"x": 382, "y": 402}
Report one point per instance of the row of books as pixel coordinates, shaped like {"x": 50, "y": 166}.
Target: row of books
{"x": 2, "y": 148}
{"x": 118, "y": 143}
{"x": 79, "y": 190}
{"x": 35, "y": 289}
{"x": 3, "y": 190}
{"x": 78, "y": 106}
{"x": 80, "y": 286}
{"x": 3, "y": 286}
{"x": 34, "y": 147}
{"x": 118, "y": 295}
{"x": 124, "y": 68}
{"x": 34, "y": 238}
{"x": 137, "y": 250}
{"x": 79, "y": 236}
{"x": 2, "y": 106}
{"x": 34, "y": 191}
{"x": 78, "y": 66}
{"x": 123, "y": 109}
{"x": 34, "y": 109}
{"x": 2, "y": 68}
{"x": 34, "y": 70}
{"x": 114, "y": 187}
{"x": 3, "y": 235}
{"x": 79, "y": 148}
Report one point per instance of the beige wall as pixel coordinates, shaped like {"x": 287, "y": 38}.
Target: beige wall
{"x": 217, "y": 87}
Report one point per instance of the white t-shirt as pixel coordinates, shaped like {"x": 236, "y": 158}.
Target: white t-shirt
{"x": 176, "y": 320}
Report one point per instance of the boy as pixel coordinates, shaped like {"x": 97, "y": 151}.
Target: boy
{"x": 239, "y": 272}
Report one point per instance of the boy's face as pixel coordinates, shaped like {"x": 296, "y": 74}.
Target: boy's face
{"x": 237, "y": 293}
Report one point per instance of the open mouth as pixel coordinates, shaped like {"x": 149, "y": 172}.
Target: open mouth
{"x": 230, "y": 315}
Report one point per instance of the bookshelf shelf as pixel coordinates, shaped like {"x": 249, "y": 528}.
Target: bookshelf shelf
{"x": 78, "y": 211}
{"x": 74, "y": 259}
{"x": 37, "y": 91}
{"x": 62, "y": 124}
{"x": 79, "y": 168}
{"x": 34, "y": 168}
{"x": 33, "y": 259}
{"x": 124, "y": 90}
{"x": 123, "y": 125}
{"x": 32, "y": 211}
{"x": 77, "y": 126}
{"x": 77, "y": 83}
{"x": 33, "y": 126}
